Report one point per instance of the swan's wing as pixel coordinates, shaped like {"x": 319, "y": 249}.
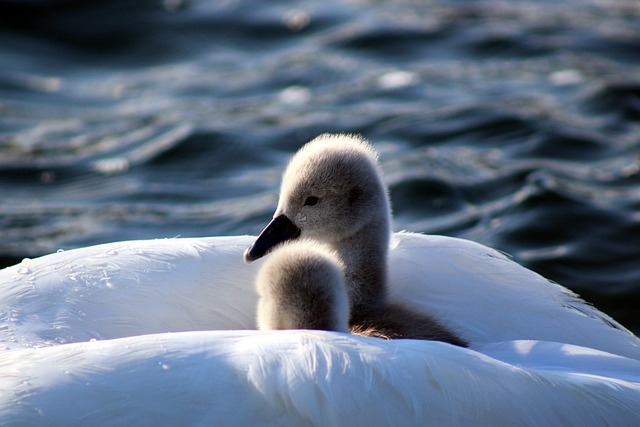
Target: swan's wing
{"x": 128, "y": 288}
{"x": 140, "y": 287}
{"x": 301, "y": 378}
{"x": 487, "y": 297}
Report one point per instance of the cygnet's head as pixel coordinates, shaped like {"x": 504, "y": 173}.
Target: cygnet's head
{"x": 331, "y": 189}
{"x": 301, "y": 286}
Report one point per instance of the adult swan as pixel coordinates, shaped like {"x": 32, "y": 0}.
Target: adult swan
{"x": 150, "y": 333}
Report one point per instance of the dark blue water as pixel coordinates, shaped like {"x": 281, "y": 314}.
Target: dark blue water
{"x": 512, "y": 123}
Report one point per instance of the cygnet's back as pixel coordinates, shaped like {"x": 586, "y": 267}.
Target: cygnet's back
{"x": 301, "y": 286}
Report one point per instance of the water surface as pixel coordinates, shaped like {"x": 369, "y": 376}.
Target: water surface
{"x": 512, "y": 123}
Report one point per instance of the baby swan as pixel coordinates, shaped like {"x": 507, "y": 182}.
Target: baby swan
{"x": 301, "y": 286}
{"x": 332, "y": 193}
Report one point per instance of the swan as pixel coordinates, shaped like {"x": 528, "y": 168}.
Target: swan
{"x": 332, "y": 192}
{"x": 302, "y": 288}
{"x": 163, "y": 332}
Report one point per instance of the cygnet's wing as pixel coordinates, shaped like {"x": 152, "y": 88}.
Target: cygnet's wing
{"x": 486, "y": 297}
{"x": 302, "y": 378}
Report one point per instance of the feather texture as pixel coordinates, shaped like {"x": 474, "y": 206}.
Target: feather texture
{"x": 538, "y": 354}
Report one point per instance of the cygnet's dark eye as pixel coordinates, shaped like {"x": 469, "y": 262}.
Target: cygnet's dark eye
{"x": 311, "y": 201}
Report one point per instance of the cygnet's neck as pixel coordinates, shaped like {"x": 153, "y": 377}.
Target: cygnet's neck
{"x": 365, "y": 256}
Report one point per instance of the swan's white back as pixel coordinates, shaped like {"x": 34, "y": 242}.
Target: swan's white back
{"x": 299, "y": 378}
{"x": 130, "y": 290}
{"x": 487, "y": 297}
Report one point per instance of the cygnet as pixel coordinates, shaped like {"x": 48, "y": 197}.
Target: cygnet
{"x": 302, "y": 287}
{"x": 332, "y": 193}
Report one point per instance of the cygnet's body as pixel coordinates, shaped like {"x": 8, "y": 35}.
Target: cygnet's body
{"x": 302, "y": 288}
{"x": 332, "y": 192}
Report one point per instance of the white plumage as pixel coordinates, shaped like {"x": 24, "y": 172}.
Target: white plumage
{"x": 128, "y": 295}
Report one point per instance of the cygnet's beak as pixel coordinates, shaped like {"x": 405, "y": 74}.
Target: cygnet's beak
{"x": 279, "y": 230}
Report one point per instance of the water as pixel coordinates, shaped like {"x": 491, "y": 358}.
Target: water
{"x": 512, "y": 123}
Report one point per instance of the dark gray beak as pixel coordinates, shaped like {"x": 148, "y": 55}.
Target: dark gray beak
{"x": 279, "y": 230}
